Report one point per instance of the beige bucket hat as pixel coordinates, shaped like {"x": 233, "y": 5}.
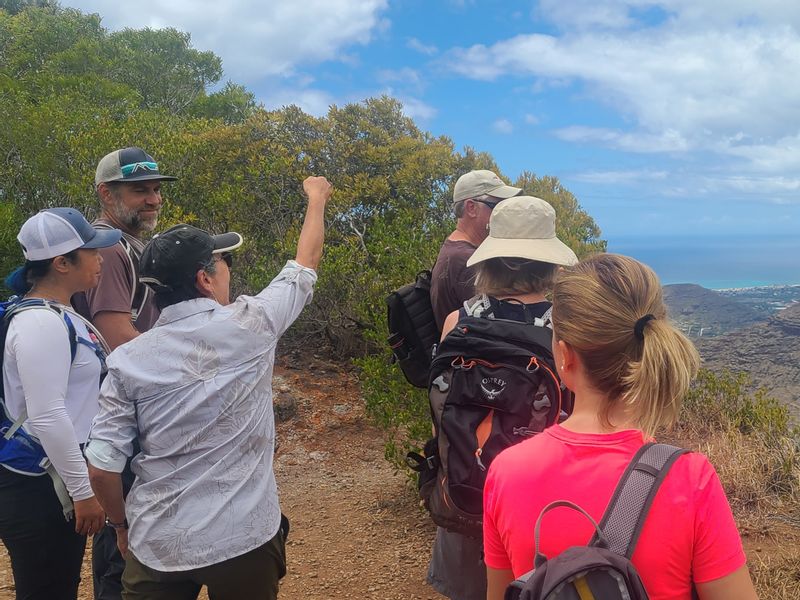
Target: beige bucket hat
{"x": 523, "y": 227}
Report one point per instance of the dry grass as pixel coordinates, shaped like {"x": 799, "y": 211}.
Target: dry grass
{"x": 759, "y": 473}
{"x": 776, "y": 574}
{"x": 751, "y": 441}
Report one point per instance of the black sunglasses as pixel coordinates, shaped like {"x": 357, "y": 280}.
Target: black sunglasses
{"x": 488, "y": 203}
{"x": 227, "y": 257}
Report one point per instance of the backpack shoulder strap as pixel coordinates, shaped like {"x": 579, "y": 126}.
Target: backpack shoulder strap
{"x": 624, "y": 518}
{"x": 546, "y": 320}
{"x": 139, "y": 291}
{"x": 16, "y": 308}
{"x": 477, "y": 306}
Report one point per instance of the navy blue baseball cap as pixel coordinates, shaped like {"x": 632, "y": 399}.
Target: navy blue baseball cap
{"x": 56, "y": 231}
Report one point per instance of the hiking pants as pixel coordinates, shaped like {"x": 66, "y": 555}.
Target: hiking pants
{"x": 107, "y": 565}
{"x": 253, "y": 575}
{"x": 457, "y": 569}
{"x": 107, "y": 562}
{"x": 46, "y": 553}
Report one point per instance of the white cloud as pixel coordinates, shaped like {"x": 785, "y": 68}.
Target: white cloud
{"x": 531, "y": 119}
{"x": 685, "y": 14}
{"x": 421, "y": 47}
{"x": 620, "y": 177}
{"x": 667, "y": 141}
{"x": 405, "y": 76}
{"x": 255, "y": 39}
{"x": 582, "y": 14}
{"x": 686, "y": 75}
{"x": 312, "y": 101}
{"x": 503, "y": 126}
{"x": 782, "y": 154}
{"x": 417, "y": 109}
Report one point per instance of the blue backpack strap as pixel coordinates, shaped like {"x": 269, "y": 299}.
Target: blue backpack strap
{"x": 75, "y": 339}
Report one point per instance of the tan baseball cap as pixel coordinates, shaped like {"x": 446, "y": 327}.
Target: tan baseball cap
{"x": 478, "y": 183}
{"x": 523, "y": 227}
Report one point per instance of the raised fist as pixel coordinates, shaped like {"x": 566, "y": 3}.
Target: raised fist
{"x": 317, "y": 188}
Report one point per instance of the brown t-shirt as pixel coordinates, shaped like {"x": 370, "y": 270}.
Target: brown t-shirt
{"x": 114, "y": 291}
{"x": 452, "y": 281}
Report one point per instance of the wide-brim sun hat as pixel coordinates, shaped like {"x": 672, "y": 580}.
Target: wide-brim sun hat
{"x": 57, "y": 231}
{"x": 524, "y": 227}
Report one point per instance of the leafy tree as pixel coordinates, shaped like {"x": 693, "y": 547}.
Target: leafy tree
{"x": 574, "y": 226}
{"x": 232, "y": 104}
{"x": 70, "y": 91}
{"x": 162, "y": 67}
{"x": 15, "y": 6}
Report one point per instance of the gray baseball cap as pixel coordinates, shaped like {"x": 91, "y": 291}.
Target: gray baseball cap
{"x": 482, "y": 182}
{"x": 128, "y": 164}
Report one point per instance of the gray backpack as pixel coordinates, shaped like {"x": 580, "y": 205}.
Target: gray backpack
{"x": 602, "y": 569}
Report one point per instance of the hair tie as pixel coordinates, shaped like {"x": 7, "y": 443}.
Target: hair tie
{"x": 638, "y": 328}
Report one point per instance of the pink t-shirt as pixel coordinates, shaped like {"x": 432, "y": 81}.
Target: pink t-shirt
{"x": 689, "y": 534}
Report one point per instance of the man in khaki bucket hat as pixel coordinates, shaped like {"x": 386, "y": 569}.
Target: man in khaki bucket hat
{"x": 474, "y": 197}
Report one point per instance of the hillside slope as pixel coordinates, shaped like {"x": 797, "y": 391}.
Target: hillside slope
{"x": 695, "y": 308}
{"x": 769, "y": 351}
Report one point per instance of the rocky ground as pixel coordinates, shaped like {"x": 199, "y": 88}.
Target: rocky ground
{"x": 357, "y": 530}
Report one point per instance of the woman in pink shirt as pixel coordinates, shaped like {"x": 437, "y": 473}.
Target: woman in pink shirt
{"x": 629, "y": 369}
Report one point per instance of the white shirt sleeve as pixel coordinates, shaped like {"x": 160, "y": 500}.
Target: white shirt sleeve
{"x": 40, "y": 344}
{"x": 285, "y": 297}
{"x": 114, "y": 428}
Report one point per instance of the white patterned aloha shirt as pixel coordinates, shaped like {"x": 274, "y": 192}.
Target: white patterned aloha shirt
{"x": 197, "y": 392}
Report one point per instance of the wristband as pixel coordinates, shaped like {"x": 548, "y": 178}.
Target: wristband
{"x": 123, "y": 525}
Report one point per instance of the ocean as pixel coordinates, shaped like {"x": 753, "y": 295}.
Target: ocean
{"x": 716, "y": 262}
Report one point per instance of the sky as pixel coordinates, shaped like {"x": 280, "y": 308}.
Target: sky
{"x": 664, "y": 117}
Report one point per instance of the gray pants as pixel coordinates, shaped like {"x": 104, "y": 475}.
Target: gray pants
{"x": 457, "y": 569}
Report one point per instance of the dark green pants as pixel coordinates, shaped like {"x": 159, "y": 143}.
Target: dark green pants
{"x": 253, "y": 576}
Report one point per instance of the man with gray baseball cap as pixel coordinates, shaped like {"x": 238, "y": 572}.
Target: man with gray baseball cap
{"x": 475, "y": 195}
{"x": 128, "y": 186}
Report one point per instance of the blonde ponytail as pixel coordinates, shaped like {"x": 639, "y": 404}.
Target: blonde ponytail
{"x": 609, "y": 308}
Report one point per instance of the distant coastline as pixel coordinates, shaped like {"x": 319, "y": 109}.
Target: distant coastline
{"x": 717, "y": 262}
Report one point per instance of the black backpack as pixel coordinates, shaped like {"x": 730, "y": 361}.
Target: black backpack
{"x": 602, "y": 569}
{"x": 492, "y": 384}
{"x": 412, "y": 329}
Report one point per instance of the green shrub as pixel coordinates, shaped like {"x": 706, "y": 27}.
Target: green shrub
{"x": 749, "y": 436}
{"x": 726, "y": 400}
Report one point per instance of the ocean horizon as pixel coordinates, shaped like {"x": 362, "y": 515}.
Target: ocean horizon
{"x": 716, "y": 262}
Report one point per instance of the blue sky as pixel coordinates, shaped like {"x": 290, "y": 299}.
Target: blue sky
{"x": 664, "y": 117}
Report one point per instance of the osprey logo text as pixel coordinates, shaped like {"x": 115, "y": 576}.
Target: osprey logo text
{"x": 492, "y": 387}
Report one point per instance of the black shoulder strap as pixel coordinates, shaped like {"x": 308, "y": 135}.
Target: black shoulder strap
{"x": 624, "y": 518}
{"x": 139, "y": 291}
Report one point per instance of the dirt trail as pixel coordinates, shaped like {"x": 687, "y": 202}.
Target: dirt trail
{"x": 356, "y": 528}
